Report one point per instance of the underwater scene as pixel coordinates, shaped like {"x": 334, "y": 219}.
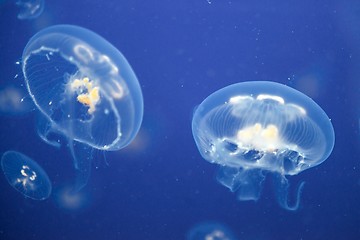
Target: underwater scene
{"x": 193, "y": 120}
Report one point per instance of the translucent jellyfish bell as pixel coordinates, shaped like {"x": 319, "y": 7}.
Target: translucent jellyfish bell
{"x": 85, "y": 90}
{"x": 25, "y": 175}
{"x": 252, "y": 128}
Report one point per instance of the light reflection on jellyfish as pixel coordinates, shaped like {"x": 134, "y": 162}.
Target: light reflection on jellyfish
{"x": 253, "y": 128}
{"x": 85, "y": 90}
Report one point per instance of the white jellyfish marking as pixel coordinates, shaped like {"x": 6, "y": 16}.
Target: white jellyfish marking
{"x": 87, "y": 54}
{"x": 115, "y": 89}
{"x": 84, "y": 53}
{"x": 271, "y": 97}
{"x": 300, "y": 109}
{"x": 28, "y": 177}
{"x": 105, "y": 59}
{"x": 238, "y": 99}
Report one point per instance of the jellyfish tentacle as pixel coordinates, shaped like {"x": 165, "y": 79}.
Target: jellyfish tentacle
{"x": 82, "y": 155}
{"x": 46, "y": 130}
{"x": 282, "y": 186}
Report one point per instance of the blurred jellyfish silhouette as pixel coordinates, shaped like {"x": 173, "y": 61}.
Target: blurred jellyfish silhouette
{"x": 66, "y": 199}
{"x": 14, "y": 101}
{"x": 30, "y": 9}
{"x": 210, "y": 231}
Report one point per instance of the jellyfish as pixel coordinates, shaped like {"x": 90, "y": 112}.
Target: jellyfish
{"x": 85, "y": 91}
{"x": 30, "y": 9}
{"x": 25, "y": 175}
{"x": 254, "y": 128}
{"x": 210, "y": 231}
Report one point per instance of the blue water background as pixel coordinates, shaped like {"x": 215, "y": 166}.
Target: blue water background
{"x": 182, "y": 51}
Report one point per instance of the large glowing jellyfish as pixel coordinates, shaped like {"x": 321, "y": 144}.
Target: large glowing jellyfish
{"x": 85, "y": 90}
{"x": 252, "y": 128}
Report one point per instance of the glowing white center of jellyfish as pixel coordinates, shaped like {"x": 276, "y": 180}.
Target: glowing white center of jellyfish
{"x": 259, "y": 137}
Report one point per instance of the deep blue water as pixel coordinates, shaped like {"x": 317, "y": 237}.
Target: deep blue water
{"x": 182, "y": 51}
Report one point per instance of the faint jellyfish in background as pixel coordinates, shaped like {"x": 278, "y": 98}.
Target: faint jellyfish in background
{"x": 85, "y": 90}
{"x": 30, "y": 9}
{"x": 14, "y": 101}
{"x": 25, "y": 175}
{"x": 66, "y": 199}
{"x": 210, "y": 231}
{"x": 14, "y": 98}
{"x": 253, "y": 128}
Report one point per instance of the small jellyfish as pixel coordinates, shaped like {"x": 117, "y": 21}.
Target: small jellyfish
{"x": 25, "y": 175}
{"x": 210, "y": 231}
{"x": 253, "y": 128}
{"x": 30, "y": 9}
{"x": 85, "y": 90}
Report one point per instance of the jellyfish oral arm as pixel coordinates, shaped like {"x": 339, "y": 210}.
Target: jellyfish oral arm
{"x": 246, "y": 182}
